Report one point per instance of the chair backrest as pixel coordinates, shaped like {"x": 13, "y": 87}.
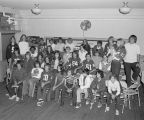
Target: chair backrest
{"x": 135, "y": 86}
{"x": 124, "y": 84}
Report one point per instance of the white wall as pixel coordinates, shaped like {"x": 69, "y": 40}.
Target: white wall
{"x": 66, "y": 23}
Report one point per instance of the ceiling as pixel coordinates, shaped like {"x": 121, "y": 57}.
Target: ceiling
{"x": 70, "y": 4}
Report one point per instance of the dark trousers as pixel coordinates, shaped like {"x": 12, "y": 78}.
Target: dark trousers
{"x": 44, "y": 92}
{"x": 115, "y": 67}
{"x": 100, "y": 92}
{"x": 136, "y": 70}
{"x": 15, "y": 91}
{"x": 116, "y": 100}
{"x": 63, "y": 94}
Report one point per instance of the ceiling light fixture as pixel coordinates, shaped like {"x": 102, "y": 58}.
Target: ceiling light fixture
{"x": 36, "y": 10}
{"x": 125, "y": 9}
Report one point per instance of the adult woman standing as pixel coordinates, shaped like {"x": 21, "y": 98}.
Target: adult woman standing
{"x": 23, "y": 45}
{"x": 12, "y": 46}
{"x": 109, "y": 46}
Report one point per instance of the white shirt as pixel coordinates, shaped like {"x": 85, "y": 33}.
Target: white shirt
{"x": 56, "y": 63}
{"x": 88, "y": 81}
{"x": 24, "y": 47}
{"x": 82, "y": 55}
{"x": 113, "y": 87}
{"x": 36, "y": 72}
{"x": 60, "y": 47}
{"x": 72, "y": 46}
{"x": 132, "y": 50}
{"x": 53, "y": 46}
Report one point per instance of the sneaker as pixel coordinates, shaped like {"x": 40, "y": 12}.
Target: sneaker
{"x": 40, "y": 103}
{"x": 99, "y": 105}
{"x": 71, "y": 103}
{"x": 87, "y": 102}
{"x": 117, "y": 112}
{"x": 78, "y": 105}
{"x": 7, "y": 95}
{"x": 17, "y": 99}
{"x": 13, "y": 97}
{"x": 107, "y": 109}
{"x": 121, "y": 95}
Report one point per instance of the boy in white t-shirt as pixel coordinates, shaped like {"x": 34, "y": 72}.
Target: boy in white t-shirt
{"x": 35, "y": 77}
{"x": 131, "y": 60}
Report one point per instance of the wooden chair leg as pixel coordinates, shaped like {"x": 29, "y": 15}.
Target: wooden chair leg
{"x": 139, "y": 98}
{"x": 129, "y": 102}
{"x": 33, "y": 90}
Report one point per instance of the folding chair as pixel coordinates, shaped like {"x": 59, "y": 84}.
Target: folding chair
{"x": 131, "y": 91}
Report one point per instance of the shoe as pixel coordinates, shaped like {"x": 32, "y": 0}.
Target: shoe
{"x": 17, "y": 99}
{"x": 99, "y": 105}
{"x": 107, "y": 109}
{"x": 40, "y": 103}
{"x": 13, "y": 97}
{"x": 121, "y": 95}
{"x": 7, "y": 95}
{"x": 117, "y": 112}
{"x": 87, "y": 102}
{"x": 71, "y": 104}
{"x": 78, "y": 105}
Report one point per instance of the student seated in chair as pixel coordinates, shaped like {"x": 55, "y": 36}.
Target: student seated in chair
{"x": 44, "y": 86}
{"x": 113, "y": 93}
{"x": 17, "y": 78}
{"x": 58, "y": 84}
{"x": 84, "y": 84}
{"x": 98, "y": 87}
{"x": 70, "y": 86}
{"x": 35, "y": 77}
{"x": 88, "y": 64}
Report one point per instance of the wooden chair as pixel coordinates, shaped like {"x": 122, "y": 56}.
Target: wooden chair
{"x": 130, "y": 92}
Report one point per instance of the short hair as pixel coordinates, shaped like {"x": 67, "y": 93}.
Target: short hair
{"x": 75, "y": 52}
{"x": 119, "y": 39}
{"x": 68, "y": 47}
{"x": 113, "y": 75}
{"x": 111, "y": 37}
{"x": 99, "y": 42}
{"x": 19, "y": 62}
{"x": 16, "y": 49}
{"x": 88, "y": 54}
{"x": 32, "y": 47}
{"x": 36, "y": 62}
{"x": 47, "y": 65}
{"x": 134, "y": 37}
{"x": 100, "y": 72}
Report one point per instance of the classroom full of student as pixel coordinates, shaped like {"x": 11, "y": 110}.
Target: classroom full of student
{"x": 59, "y": 69}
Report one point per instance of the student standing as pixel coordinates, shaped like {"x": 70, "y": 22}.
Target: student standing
{"x": 12, "y": 46}
{"x": 131, "y": 60}
{"x": 23, "y": 45}
{"x": 119, "y": 54}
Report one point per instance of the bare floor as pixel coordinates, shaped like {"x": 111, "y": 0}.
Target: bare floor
{"x": 27, "y": 110}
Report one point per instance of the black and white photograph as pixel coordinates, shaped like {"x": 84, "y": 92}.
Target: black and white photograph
{"x": 71, "y": 60}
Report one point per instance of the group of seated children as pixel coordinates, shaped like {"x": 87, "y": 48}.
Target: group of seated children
{"x": 54, "y": 73}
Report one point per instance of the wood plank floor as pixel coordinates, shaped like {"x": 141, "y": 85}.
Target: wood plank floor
{"x": 27, "y": 110}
